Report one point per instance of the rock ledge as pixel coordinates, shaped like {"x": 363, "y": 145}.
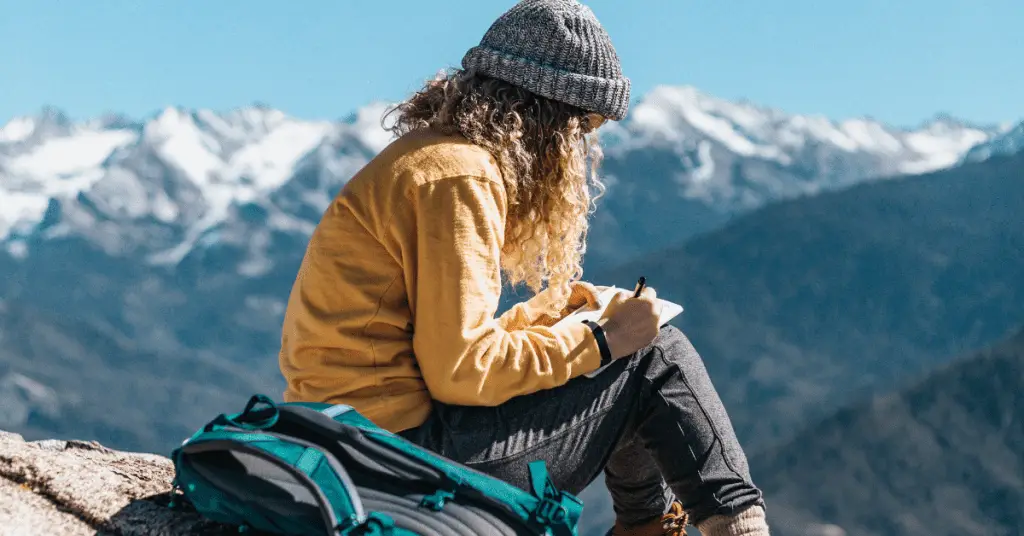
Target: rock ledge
{"x": 83, "y": 488}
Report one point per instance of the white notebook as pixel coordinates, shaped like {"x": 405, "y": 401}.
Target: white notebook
{"x": 668, "y": 311}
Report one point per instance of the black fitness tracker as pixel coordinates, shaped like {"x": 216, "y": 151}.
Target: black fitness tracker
{"x": 602, "y": 341}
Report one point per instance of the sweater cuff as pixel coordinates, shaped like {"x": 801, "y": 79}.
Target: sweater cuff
{"x": 584, "y": 353}
{"x": 750, "y": 522}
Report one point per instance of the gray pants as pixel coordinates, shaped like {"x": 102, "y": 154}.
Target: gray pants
{"x": 652, "y": 422}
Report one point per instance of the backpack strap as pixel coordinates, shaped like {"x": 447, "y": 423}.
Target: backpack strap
{"x": 250, "y": 418}
{"x": 247, "y": 430}
{"x": 557, "y": 510}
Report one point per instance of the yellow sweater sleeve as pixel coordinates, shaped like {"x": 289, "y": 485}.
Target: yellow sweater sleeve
{"x": 464, "y": 353}
{"x": 533, "y": 312}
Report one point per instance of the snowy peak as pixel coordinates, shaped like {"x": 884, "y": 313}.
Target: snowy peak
{"x": 685, "y": 115}
{"x": 17, "y": 129}
{"x": 46, "y": 157}
{"x": 116, "y": 122}
{"x": 184, "y": 179}
{"x": 48, "y": 122}
{"x": 1011, "y": 141}
{"x": 48, "y": 146}
{"x": 673, "y": 114}
{"x": 255, "y": 147}
{"x": 226, "y": 158}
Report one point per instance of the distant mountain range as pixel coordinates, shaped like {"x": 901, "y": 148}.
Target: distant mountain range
{"x": 160, "y": 252}
{"x": 1008, "y": 143}
{"x": 69, "y": 378}
{"x": 160, "y": 189}
{"x": 943, "y": 457}
{"x": 807, "y": 305}
{"x": 804, "y": 307}
{"x": 684, "y": 163}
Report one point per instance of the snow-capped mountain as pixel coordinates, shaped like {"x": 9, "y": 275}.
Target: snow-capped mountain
{"x": 186, "y": 178}
{"x": 710, "y": 135}
{"x": 160, "y": 184}
{"x": 1007, "y": 143}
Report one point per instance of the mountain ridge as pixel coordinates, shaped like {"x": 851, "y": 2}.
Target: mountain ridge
{"x": 811, "y": 304}
{"x": 182, "y": 171}
{"x": 939, "y": 456}
{"x": 1010, "y": 141}
{"x": 782, "y": 298}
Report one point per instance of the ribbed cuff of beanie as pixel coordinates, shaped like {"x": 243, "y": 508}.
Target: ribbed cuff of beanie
{"x": 750, "y": 522}
{"x": 606, "y": 96}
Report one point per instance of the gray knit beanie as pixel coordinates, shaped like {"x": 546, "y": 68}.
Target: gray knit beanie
{"x": 556, "y": 49}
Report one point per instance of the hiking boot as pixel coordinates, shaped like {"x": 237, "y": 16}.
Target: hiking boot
{"x": 671, "y": 524}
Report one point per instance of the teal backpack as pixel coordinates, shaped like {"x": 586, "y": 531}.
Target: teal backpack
{"x": 318, "y": 469}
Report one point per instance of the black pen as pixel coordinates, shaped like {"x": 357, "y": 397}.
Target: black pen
{"x": 640, "y": 284}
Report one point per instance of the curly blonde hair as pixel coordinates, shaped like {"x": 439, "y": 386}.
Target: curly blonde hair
{"x": 548, "y": 155}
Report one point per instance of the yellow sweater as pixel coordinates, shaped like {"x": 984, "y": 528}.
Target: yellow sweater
{"x": 395, "y": 301}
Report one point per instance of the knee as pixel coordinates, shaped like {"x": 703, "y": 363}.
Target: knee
{"x": 672, "y": 340}
{"x": 673, "y": 347}
{"x": 669, "y": 335}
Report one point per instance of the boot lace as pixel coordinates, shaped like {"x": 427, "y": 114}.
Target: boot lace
{"x": 674, "y": 521}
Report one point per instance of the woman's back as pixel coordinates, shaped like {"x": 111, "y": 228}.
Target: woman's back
{"x": 348, "y": 335}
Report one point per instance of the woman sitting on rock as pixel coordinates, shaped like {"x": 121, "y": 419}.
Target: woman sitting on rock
{"x": 393, "y": 310}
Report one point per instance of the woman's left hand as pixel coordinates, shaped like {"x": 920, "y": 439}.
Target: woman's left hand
{"x": 583, "y": 293}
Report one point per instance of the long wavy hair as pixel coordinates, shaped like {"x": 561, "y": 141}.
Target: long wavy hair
{"x": 548, "y": 155}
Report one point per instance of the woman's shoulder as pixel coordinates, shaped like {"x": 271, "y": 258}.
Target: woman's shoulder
{"x": 427, "y": 156}
{"x": 410, "y": 162}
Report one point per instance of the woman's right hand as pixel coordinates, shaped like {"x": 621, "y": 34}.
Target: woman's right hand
{"x": 631, "y": 323}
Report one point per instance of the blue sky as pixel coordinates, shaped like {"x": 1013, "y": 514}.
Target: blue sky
{"x": 897, "y": 60}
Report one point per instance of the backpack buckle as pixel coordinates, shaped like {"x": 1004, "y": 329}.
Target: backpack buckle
{"x": 551, "y": 512}
{"x": 375, "y": 524}
{"x": 556, "y": 510}
{"x": 437, "y": 500}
